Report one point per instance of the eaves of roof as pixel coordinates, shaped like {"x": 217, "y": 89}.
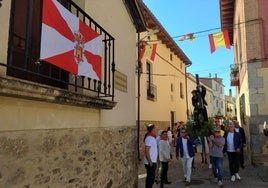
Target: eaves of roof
{"x": 135, "y": 14}
{"x": 152, "y": 23}
{"x": 227, "y": 16}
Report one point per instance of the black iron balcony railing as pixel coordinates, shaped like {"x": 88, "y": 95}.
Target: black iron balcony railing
{"x": 151, "y": 91}
{"x": 24, "y": 52}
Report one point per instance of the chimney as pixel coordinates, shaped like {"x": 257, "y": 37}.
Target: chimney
{"x": 230, "y": 93}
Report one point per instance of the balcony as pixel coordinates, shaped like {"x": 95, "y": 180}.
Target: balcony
{"x": 151, "y": 91}
{"x": 235, "y": 82}
{"x": 24, "y": 67}
{"x": 234, "y": 75}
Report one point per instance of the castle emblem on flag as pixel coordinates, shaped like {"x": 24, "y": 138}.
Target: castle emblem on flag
{"x": 69, "y": 43}
{"x": 79, "y": 41}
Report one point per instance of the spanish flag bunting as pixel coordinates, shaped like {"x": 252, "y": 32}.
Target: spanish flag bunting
{"x": 219, "y": 39}
{"x": 148, "y": 51}
{"x": 189, "y": 36}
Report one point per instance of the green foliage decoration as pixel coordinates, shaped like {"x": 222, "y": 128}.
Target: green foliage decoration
{"x": 205, "y": 130}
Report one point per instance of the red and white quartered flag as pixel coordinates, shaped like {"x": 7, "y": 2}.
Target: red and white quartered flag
{"x": 69, "y": 43}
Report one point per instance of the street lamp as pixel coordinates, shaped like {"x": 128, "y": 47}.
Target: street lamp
{"x": 149, "y": 33}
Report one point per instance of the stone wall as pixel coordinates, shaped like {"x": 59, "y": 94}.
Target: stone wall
{"x": 258, "y": 141}
{"x": 67, "y": 158}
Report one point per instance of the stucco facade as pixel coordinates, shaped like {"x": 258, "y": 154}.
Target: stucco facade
{"x": 167, "y": 78}
{"x": 51, "y": 137}
{"x": 163, "y": 97}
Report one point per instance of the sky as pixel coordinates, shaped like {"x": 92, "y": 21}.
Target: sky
{"x": 180, "y": 17}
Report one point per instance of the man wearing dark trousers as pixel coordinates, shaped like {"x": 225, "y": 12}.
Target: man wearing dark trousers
{"x": 241, "y": 131}
{"x": 233, "y": 146}
{"x": 150, "y": 155}
{"x": 164, "y": 157}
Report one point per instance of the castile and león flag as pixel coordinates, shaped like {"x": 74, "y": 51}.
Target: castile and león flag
{"x": 68, "y": 43}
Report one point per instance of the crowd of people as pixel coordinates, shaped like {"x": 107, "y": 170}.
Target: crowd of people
{"x": 227, "y": 138}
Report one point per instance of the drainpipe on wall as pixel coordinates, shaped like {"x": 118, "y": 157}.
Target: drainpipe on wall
{"x": 138, "y": 100}
{"x": 186, "y": 88}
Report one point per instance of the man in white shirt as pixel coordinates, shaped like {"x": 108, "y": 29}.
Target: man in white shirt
{"x": 185, "y": 150}
{"x": 150, "y": 155}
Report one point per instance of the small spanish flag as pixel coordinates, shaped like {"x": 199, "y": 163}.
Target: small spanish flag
{"x": 148, "y": 50}
{"x": 219, "y": 39}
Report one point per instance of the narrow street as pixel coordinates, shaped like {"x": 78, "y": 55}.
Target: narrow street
{"x": 252, "y": 176}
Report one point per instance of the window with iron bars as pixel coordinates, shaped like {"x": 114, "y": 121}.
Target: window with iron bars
{"x": 24, "y": 52}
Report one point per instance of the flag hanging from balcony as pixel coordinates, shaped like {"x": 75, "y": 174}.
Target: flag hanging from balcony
{"x": 219, "y": 39}
{"x": 148, "y": 51}
{"x": 68, "y": 43}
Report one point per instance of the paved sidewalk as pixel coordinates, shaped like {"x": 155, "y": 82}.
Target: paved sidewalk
{"x": 251, "y": 176}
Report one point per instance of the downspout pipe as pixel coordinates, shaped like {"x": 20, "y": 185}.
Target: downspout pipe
{"x": 186, "y": 88}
